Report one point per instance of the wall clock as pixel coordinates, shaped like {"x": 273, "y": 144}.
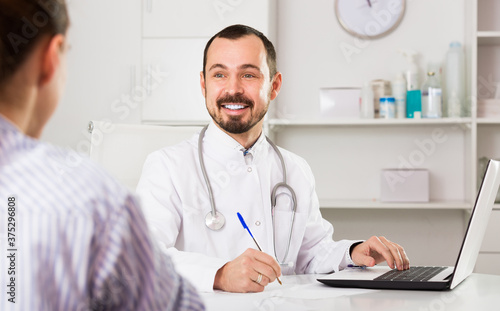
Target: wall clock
{"x": 369, "y": 19}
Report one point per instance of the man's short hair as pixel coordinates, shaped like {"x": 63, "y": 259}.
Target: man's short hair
{"x": 22, "y": 24}
{"x": 238, "y": 31}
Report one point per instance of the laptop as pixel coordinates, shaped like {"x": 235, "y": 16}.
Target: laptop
{"x": 440, "y": 278}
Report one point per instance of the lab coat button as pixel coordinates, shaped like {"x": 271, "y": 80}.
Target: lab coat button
{"x": 257, "y": 223}
{"x": 249, "y": 169}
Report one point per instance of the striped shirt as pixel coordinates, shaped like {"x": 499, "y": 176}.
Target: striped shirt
{"x": 72, "y": 238}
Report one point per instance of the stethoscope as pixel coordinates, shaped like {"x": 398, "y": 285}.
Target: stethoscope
{"x": 214, "y": 220}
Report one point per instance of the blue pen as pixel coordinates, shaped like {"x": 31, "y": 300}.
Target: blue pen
{"x": 243, "y": 223}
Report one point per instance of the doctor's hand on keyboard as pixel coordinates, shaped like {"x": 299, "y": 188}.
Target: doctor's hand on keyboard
{"x": 249, "y": 272}
{"x": 378, "y": 249}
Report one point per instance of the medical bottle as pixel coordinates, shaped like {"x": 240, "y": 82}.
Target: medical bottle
{"x": 398, "y": 86}
{"x": 413, "y": 94}
{"x": 431, "y": 97}
{"x": 366, "y": 101}
{"x": 455, "y": 81}
{"x": 387, "y": 107}
{"x": 411, "y": 72}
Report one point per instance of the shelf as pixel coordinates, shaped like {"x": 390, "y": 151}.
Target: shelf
{"x": 367, "y": 204}
{"x": 488, "y": 37}
{"x": 488, "y": 121}
{"x": 370, "y": 122}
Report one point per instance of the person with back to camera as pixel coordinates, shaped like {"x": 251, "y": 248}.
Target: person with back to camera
{"x": 192, "y": 192}
{"x": 77, "y": 240}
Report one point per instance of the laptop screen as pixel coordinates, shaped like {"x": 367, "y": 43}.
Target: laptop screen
{"x": 477, "y": 223}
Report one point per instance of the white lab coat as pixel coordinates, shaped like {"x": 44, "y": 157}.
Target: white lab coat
{"x": 175, "y": 201}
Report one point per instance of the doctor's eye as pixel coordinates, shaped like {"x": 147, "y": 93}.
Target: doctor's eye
{"x": 218, "y": 75}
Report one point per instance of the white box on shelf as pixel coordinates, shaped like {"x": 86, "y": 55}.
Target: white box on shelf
{"x": 488, "y": 108}
{"x": 339, "y": 102}
{"x": 404, "y": 185}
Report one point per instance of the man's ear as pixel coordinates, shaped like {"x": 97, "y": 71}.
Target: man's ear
{"x": 51, "y": 58}
{"x": 276, "y": 85}
{"x": 202, "y": 84}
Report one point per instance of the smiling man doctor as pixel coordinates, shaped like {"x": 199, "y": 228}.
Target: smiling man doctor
{"x": 239, "y": 80}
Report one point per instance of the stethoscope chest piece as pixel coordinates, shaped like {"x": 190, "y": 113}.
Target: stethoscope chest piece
{"x": 215, "y": 222}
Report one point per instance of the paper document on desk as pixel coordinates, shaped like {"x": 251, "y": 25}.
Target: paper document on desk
{"x": 296, "y": 293}
{"x": 306, "y": 287}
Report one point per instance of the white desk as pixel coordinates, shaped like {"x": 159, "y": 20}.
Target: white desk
{"x": 303, "y": 292}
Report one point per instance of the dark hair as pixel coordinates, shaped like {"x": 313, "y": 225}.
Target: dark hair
{"x": 238, "y": 31}
{"x": 22, "y": 24}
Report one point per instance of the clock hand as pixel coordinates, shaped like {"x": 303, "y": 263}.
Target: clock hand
{"x": 369, "y": 3}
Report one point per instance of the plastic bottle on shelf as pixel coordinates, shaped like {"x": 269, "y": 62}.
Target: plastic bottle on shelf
{"x": 455, "y": 81}
{"x": 366, "y": 102}
{"x": 413, "y": 94}
{"x": 432, "y": 102}
{"x": 380, "y": 88}
{"x": 398, "y": 86}
{"x": 387, "y": 107}
{"x": 411, "y": 73}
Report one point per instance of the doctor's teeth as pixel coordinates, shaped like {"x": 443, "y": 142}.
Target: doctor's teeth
{"x": 234, "y": 107}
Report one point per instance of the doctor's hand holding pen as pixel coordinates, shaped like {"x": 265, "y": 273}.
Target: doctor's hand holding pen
{"x": 249, "y": 272}
{"x": 378, "y": 249}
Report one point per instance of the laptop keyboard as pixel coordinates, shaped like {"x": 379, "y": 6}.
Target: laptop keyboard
{"x": 414, "y": 274}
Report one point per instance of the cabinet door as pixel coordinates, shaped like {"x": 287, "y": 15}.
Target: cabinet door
{"x": 172, "y": 68}
{"x": 491, "y": 241}
{"x": 103, "y": 59}
{"x": 488, "y": 263}
{"x": 202, "y": 18}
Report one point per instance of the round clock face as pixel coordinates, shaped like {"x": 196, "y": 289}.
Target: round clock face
{"x": 369, "y": 19}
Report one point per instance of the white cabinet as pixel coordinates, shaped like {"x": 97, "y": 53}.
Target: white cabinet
{"x": 491, "y": 242}
{"x": 104, "y": 58}
{"x": 176, "y": 94}
{"x": 489, "y": 256}
{"x": 104, "y": 62}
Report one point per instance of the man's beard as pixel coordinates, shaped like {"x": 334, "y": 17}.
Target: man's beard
{"x": 234, "y": 125}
